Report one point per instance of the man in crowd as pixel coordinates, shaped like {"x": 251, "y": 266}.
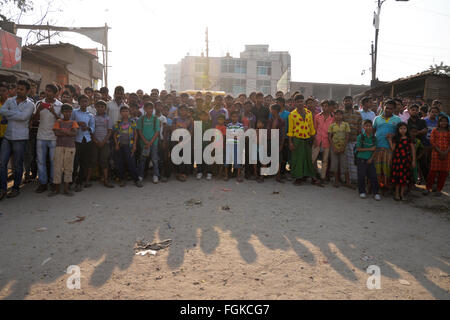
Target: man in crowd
{"x": 354, "y": 119}
{"x": 17, "y": 111}
{"x": 48, "y": 111}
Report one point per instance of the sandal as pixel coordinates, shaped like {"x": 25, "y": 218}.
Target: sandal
{"x": 108, "y": 185}
{"x": 318, "y": 183}
{"x": 279, "y": 180}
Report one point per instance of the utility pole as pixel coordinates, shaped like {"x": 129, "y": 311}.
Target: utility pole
{"x": 106, "y": 66}
{"x": 207, "y": 82}
{"x": 375, "y": 49}
{"x": 374, "y": 54}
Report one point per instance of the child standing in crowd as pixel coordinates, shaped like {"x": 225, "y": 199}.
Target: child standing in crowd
{"x": 102, "y": 135}
{"x": 183, "y": 122}
{"x": 432, "y": 123}
{"x": 218, "y": 110}
{"x": 276, "y": 123}
{"x": 285, "y": 153}
{"x": 440, "y": 164}
{"x": 166, "y": 168}
{"x": 234, "y": 146}
{"x": 65, "y": 131}
{"x": 256, "y": 149}
{"x": 413, "y": 132}
{"x": 204, "y": 169}
{"x": 339, "y": 133}
{"x": 249, "y": 122}
{"x": 164, "y": 128}
{"x": 135, "y": 113}
{"x": 149, "y": 128}
{"x": 366, "y": 147}
{"x": 125, "y": 140}
{"x": 403, "y": 159}
{"x": 354, "y": 120}
{"x": 223, "y": 130}
{"x": 83, "y": 141}
{"x": 322, "y": 123}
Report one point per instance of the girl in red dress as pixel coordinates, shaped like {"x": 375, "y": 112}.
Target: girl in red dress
{"x": 403, "y": 160}
{"x": 440, "y": 164}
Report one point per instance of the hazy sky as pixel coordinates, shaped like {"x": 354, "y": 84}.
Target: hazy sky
{"x": 329, "y": 40}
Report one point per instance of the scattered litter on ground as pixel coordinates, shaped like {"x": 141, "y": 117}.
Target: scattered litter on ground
{"x": 225, "y": 208}
{"x": 276, "y": 192}
{"x": 227, "y": 190}
{"x": 146, "y": 252}
{"x": 366, "y": 258}
{"x": 79, "y": 219}
{"x": 43, "y": 229}
{"x": 46, "y": 261}
{"x": 192, "y": 203}
{"x": 142, "y": 246}
{"x": 404, "y": 282}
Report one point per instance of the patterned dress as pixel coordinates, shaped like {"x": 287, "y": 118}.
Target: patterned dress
{"x": 401, "y": 163}
{"x": 440, "y": 139}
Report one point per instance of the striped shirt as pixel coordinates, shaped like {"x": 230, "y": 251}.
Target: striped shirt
{"x": 232, "y": 131}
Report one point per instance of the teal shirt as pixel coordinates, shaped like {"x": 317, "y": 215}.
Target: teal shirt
{"x": 149, "y": 127}
{"x": 384, "y": 128}
{"x": 366, "y": 144}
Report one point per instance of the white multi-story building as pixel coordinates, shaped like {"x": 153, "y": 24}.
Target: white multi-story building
{"x": 257, "y": 69}
{"x": 172, "y": 80}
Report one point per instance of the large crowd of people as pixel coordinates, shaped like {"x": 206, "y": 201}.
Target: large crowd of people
{"x": 66, "y": 138}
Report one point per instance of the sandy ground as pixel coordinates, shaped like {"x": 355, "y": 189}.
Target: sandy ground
{"x": 301, "y": 243}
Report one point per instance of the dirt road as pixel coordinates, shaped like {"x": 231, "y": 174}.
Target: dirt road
{"x": 274, "y": 242}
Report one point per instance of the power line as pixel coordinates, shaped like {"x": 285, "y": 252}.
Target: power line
{"x": 434, "y": 12}
{"x": 414, "y": 45}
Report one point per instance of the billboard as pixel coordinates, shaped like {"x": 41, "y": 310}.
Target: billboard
{"x": 10, "y": 51}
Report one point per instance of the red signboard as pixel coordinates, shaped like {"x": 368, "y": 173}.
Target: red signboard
{"x": 10, "y": 51}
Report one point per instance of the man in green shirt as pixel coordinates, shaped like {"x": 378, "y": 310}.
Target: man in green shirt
{"x": 149, "y": 127}
{"x": 365, "y": 150}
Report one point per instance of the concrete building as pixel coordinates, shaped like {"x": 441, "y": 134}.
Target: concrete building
{"x": 330, "y": 91}
{"x": 257, "y": 69}
{"x": 63, "y": 63}
{"x": 172, "y": 79}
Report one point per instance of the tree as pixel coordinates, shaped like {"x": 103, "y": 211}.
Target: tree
{"x": 21, "y": 5}
{"x": 440, "y": 67}
{"x": 18, "y": 10}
